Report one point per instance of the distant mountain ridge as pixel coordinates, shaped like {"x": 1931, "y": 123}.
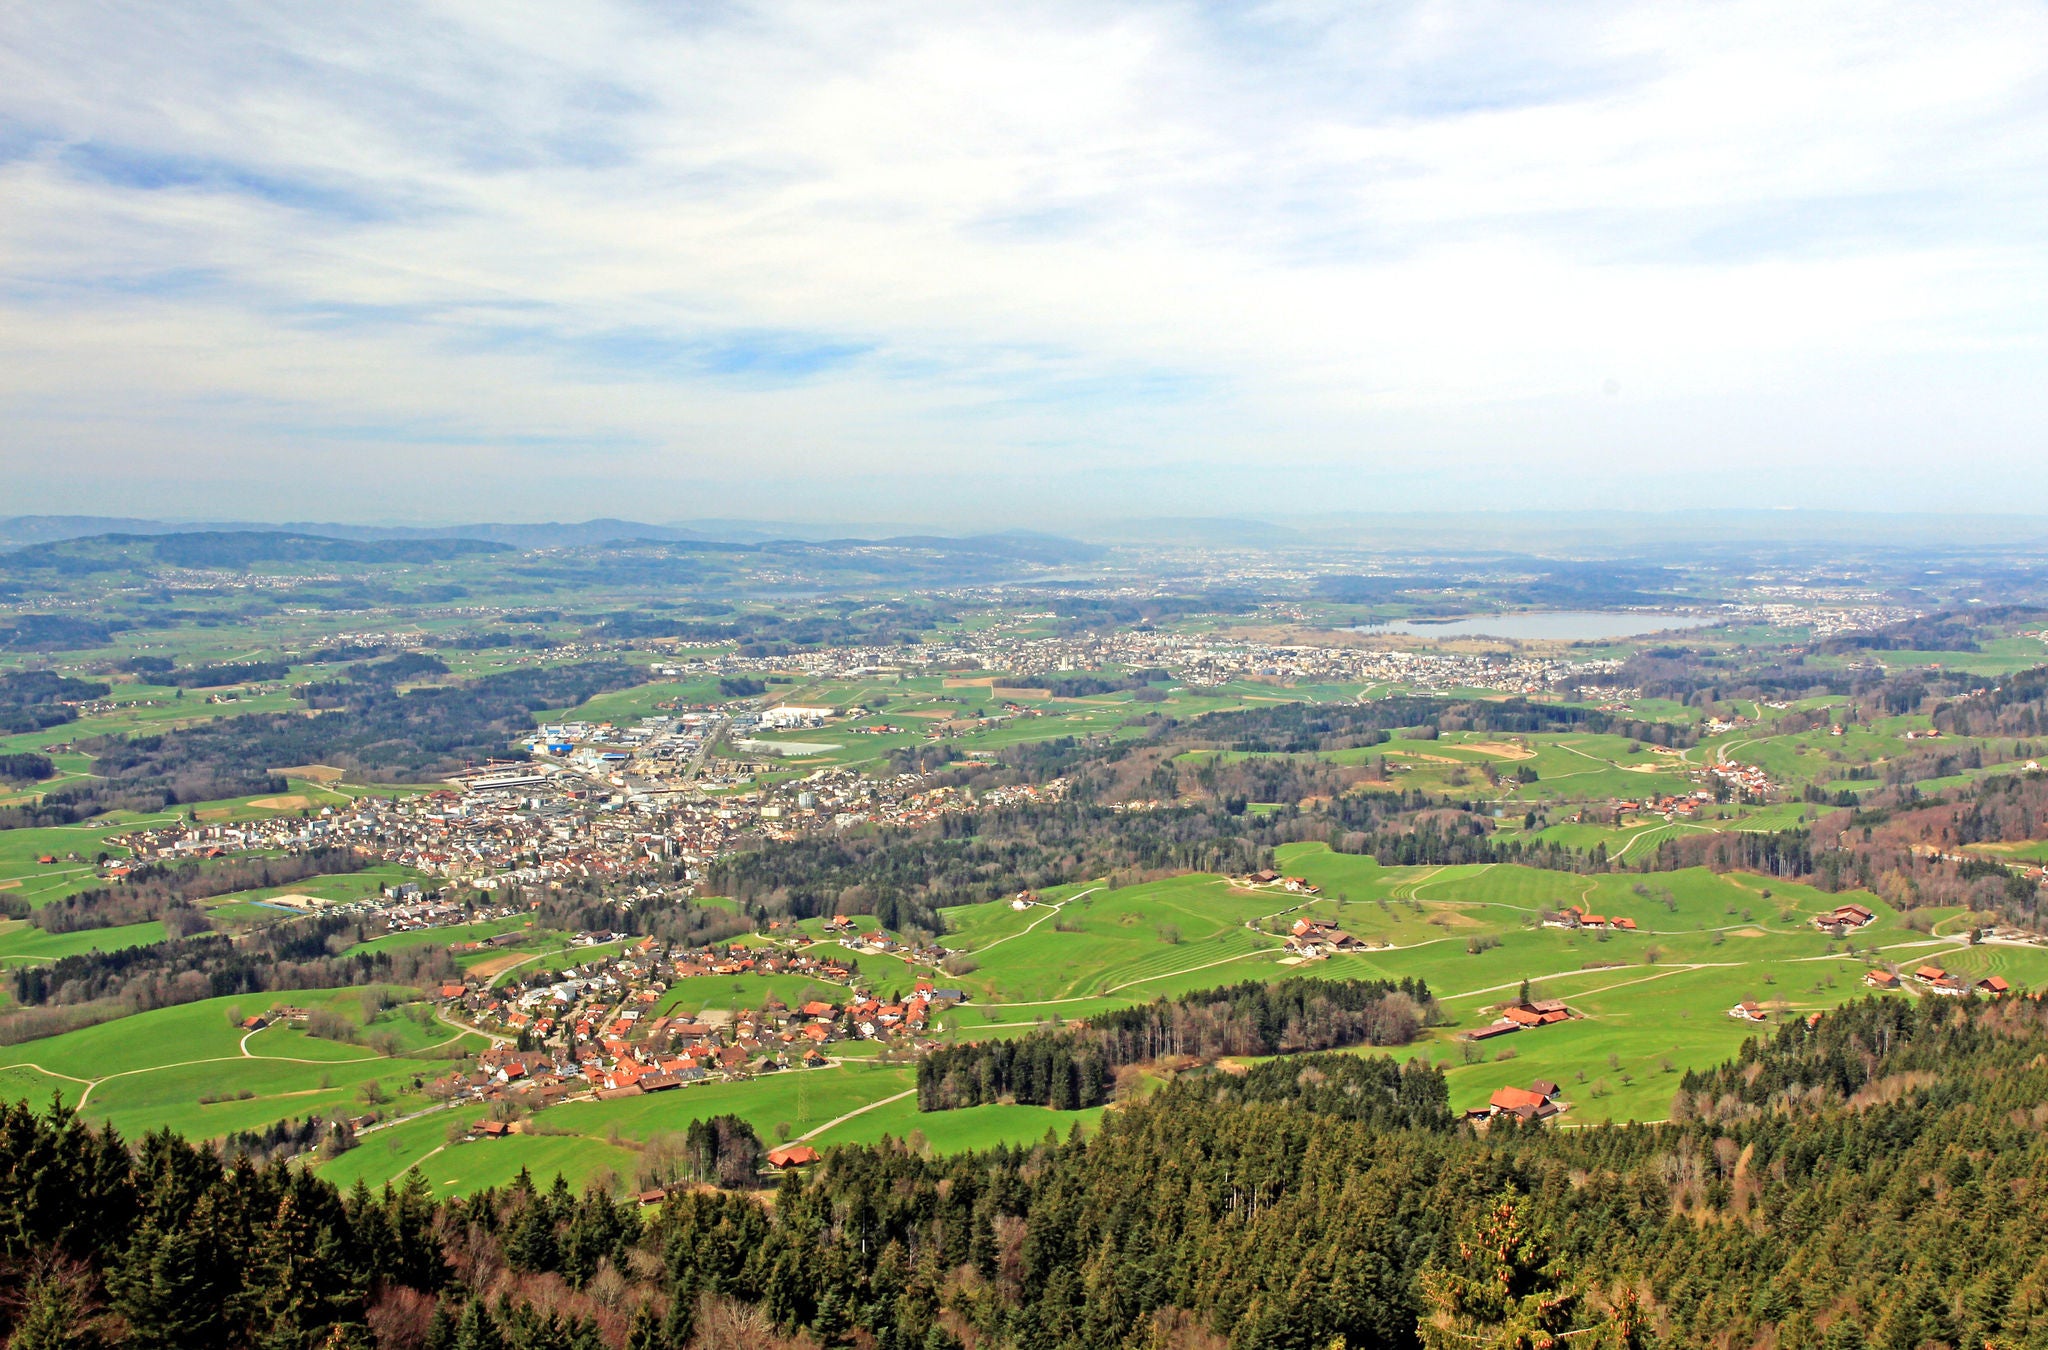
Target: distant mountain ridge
{"x": 78, "y": 543}
{"x": 17, "y": 531}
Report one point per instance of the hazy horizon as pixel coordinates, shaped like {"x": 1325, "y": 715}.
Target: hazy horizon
{"x": 1049, "y": 264}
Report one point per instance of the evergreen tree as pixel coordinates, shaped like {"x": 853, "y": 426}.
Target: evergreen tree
{"x": 58, "y": 1310}
{"x": 476, "y": 1329}
{"x": 1497, "y": 1287}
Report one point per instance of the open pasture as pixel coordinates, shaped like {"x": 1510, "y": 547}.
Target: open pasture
{"x": 150, "y": 1070}
{"x": 1097, "y": 942}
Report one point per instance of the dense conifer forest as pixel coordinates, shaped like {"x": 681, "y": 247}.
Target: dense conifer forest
{"x": 1073, "y": 1067}
{"x": 1873, "y": 1177}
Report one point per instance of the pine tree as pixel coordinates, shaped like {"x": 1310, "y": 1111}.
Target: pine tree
{"x": 1498, "y": 1291}
{"x": 165, "y": 1287}
{"x": 646, "y": 1332}
{"x": 531, "y": 1244}
{"x": 441, "y": 1332}
{"x": 476, "y": 1329}
{"x": 58, "y": 1311}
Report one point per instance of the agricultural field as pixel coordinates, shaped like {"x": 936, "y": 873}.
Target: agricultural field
{"x": 195, "y": 1069}
{"x": 1650, "y": 1004}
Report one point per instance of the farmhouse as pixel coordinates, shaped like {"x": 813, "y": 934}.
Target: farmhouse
{"x": 1573, "y": 916}
{"x": 1748, "y": 1011}
{"x": 1538, "y": 1101}
{"x": 1843, "y": 919}
{"x": 1881, "y": 979}
{"x": 792, "y": 1156}
{"x": 1938, "y": 981}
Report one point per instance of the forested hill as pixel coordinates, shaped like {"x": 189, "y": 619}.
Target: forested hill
{"x": 230, "y": 549}
{"x": 1878, "y": 1177}
{"x": 368, "y": 726}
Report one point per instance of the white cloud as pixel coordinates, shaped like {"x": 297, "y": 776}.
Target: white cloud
{"x": 883, "y": 255}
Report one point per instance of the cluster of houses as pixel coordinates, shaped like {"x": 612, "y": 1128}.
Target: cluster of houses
{"x": 1521, "y": 1015}
{"x": 599, "y": 1029}
{"x": 1744, "y": 782}
{"x": 1292, "y": 885}
{"x": 1933, "y": 979}
{"x": 1578, "y": 916}
{"x": 1312, "y": 938}
{"x": 860, "y": 936}
{"x": 1672, "y": 807}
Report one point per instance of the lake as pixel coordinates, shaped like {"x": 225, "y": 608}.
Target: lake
{"x": 1560, "y": 625}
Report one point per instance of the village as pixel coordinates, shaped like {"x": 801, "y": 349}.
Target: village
{"x": 614, "y": 1026}
{"x": 514, "y": 825}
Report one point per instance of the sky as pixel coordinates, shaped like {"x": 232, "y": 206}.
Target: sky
{"x": 1020, "y": 264}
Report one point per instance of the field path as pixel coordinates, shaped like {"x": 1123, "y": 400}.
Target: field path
{"x": 490, "y": 1036}
{"x": 411, "y": 1116}
{"x": 1154, "y": 979}
{"x": 25, "y": 1064}
{"x": 1674, "y": 969}
{"x": 498, "y": 975}
{"x": 414, "y": 1165}
{"x": 188, "y": 1063}
{"x": 1052, "y": 912}
{"x": 841, "y": 1120}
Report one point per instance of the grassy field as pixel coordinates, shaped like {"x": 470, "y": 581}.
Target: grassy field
{"x": 152, "y": 1070}
{"x": 1651, "y": 1004}
{"x": 23, "y": 941}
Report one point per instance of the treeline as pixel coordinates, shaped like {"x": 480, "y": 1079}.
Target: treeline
{"x": 1071, "y": 1068}
{"x": 759, "y": 635}
{"x": 232, "y": 549}
{"x": 56, "y": 632}
{"x": 1370, "y": 1089}
{"x": 305, "y": 953}
{"x": 370, "y": 728}
{"x": 26, "y": 767}
{"x": 288, "y": 1138}
{"x": 1296, "y": 728}
{"x": 902, "y": 876}
{"x": 1932, "y": 633}
{"x": 160, "y": 670}
{"x": 1075, "y": 614}
{"x": 31, "y": 700}
{"x": 154, "y": 889}
{"x": 589, "y": 905}
{"x": 1079, "y": 684}
{"x": 2015, "y": 706}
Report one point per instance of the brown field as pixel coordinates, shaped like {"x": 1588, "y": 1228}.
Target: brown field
{"x": 938, "y": 713}
{"x": 312, "y": 773}
{"x": 1502, "y": 748}
{"x": 972, "y": 682}
{"x": 1005, "y": 691}
{"x": 495, "y": 966}
{"x": 290, "y": 802}
{"x": 14, "y": 884}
